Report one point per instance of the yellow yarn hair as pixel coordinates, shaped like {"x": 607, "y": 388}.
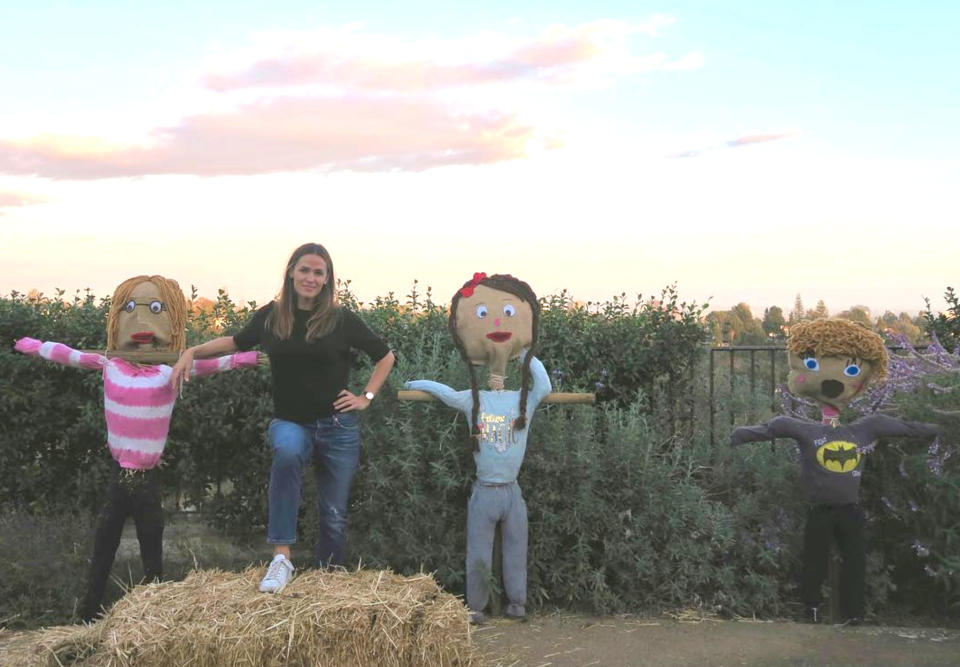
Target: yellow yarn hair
{"x": 835, "y": 337}
{"x": 173, "y": 301}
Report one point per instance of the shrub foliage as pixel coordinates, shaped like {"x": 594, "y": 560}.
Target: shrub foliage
{"x": 630, "y": 507}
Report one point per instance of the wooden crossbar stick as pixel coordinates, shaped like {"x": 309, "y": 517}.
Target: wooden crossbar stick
{"x": 555, "y": 397}
{"x": 169, "y": 357}
{"x": 140, "y": 356}
{"x": 151, "y": 356}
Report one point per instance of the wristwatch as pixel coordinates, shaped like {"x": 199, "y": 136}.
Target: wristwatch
{"x": 368, "y": 395}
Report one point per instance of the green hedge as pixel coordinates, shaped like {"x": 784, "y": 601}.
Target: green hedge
{"x": 630, "y": 507}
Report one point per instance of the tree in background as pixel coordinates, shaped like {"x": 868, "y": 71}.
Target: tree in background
{"x": 773, "y": 322}
{"x": 944, "y": 325}
{"x": 859, "y": 314}
{"x": 895, "y": 326}
{"x": 798, "y": 313}
{"x": 736, "y": 326}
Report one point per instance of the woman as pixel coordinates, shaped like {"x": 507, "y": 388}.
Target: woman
{"x": 308, "y": 337}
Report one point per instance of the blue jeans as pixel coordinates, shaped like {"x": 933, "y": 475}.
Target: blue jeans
{"x": 334, "y": 444}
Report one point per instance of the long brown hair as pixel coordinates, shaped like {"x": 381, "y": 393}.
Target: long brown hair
{"x": 326, "y": 309}
{"x": 502, "y": 282}
{"x": 173, "y": 301}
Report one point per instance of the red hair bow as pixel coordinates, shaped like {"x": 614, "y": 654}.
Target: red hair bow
{"x": 467, "y": 289}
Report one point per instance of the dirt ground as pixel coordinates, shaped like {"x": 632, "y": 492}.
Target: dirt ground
{"x": 565, "y": 640}
{"x": 568, "y": 640}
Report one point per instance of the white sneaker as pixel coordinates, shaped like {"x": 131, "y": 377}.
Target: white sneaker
{"x": 278, "y": 574}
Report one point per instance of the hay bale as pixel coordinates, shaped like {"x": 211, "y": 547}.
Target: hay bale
{"x": 366, "y": 617}
{"x": 61, "y": 645}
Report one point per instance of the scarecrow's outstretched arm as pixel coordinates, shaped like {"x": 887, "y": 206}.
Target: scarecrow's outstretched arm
{"x": 60, "y": 353}
{"x": 461, "y": 400}
{"x": 227, "y": 362}
{"x": 778, "y": 427}
{"x": 885, "y": 426}
{"x": 541, "y": 381}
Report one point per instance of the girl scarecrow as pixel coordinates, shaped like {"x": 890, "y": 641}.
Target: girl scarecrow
{"x": 492, "y": 320}
{"x": 148, "y": 313}
{"x": 831, "y": 361}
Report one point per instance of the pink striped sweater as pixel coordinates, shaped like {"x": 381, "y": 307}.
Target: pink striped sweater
{"x": 138, "y": 400}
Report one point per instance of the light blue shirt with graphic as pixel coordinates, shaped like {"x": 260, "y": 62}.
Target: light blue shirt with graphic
{"x": 502, "y": 447}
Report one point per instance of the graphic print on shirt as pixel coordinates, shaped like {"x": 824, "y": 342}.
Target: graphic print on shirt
{"x": 838, "y": 456}
{"x": 496, "y": 430}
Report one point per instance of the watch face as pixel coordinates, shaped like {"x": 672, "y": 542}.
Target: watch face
{"x": 368, "y": 395}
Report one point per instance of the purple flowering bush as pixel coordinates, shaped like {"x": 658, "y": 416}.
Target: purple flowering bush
{"x": 913, "y": 487}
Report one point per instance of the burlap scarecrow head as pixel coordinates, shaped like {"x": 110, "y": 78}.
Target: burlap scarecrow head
{"x": 147, "y": 313}
{"x": 494, "y": 319}
{"x": 831, "y": 360}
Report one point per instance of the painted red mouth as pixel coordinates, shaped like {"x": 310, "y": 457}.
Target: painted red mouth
{"x": 499, "y": 336}
{"x": 143, "y": 337}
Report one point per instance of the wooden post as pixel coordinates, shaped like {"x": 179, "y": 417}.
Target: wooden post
{"x": 140, "y": 356}
{"x": 555, "y": 397}
{"x": 497, "y": 597}
{"x": 833, "y": 579}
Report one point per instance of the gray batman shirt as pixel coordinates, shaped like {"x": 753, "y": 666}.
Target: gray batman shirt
{"x": 831, "y": 457}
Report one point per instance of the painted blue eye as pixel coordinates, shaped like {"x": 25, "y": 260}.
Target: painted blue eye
{"x": 156, "y": 307}
{"x": 481, "y": 311}
{"x": 811, "y": 364}
{"x": 509, "y": 310}
{"x": 851, "y": 371}
{"x": 129, "y": 306}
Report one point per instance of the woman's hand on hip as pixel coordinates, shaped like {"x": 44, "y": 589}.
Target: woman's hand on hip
{"x": 347, "y": 401}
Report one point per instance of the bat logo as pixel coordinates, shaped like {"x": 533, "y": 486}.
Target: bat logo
{"x": 838, "y": 456}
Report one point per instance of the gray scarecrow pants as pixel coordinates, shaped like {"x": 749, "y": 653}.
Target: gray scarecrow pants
{"x": 491, "y": 504}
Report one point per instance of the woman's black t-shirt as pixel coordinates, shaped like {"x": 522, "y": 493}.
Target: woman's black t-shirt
{"x": 308, "y": 376}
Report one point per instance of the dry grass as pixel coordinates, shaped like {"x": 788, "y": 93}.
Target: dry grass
{"x": 364, "y": 617}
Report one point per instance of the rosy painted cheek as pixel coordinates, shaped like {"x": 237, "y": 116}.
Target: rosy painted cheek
{"x": 801, "y": 379}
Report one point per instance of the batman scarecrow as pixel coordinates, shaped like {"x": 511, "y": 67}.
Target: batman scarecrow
{"x": 831, "y": 361}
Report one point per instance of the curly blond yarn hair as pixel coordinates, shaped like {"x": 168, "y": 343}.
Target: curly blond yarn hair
{"x": 835, "y": 337}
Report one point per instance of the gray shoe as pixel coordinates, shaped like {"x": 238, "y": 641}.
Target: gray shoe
{"x": 515, "y": 612}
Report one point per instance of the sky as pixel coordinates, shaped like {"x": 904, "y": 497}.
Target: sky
{"x": 746, "y": 151}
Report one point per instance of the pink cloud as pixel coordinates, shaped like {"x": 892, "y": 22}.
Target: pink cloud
{"x": 540, "y": 58}
{"x": 745, "y": 140}
{"x": 360, "y": 133}
{"x": 685, "y": 154}
{"x": 367, "y": 75}
{"x": 11, "y": 199}
{"x": 749, "y": 139}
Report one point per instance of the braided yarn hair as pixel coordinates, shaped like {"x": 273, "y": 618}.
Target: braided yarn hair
{"x": 502, "y": 282}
